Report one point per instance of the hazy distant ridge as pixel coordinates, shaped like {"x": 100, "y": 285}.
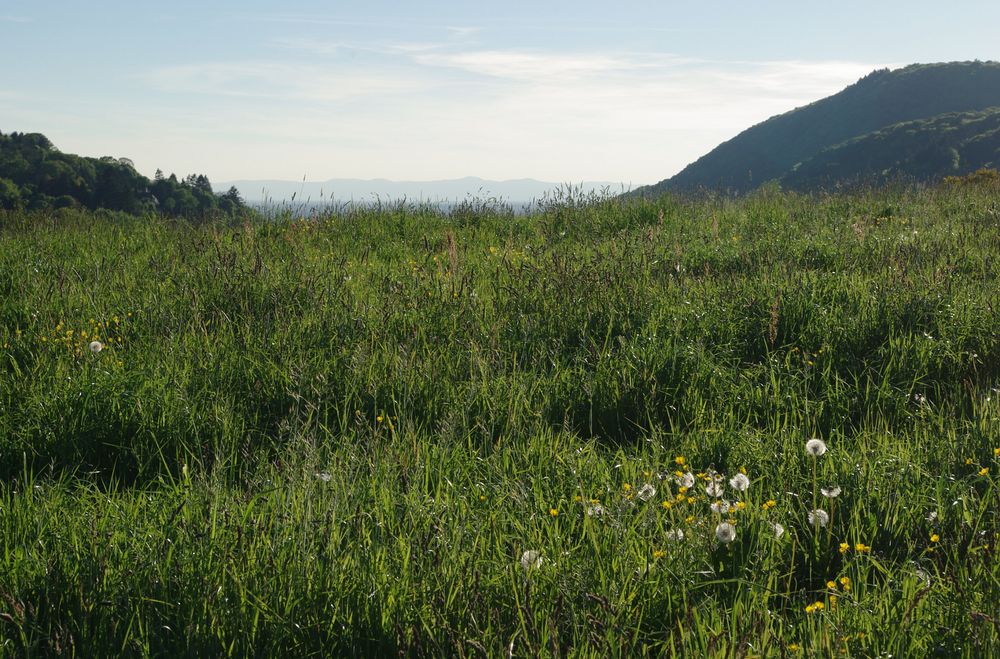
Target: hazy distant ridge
{"x": 349, "y": 189}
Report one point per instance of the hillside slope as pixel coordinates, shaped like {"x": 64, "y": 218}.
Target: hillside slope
{"x": 948, "y": 144}
{"x": 883, "y": 98}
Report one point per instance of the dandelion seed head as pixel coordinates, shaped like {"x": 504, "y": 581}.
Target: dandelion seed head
{"x": 531, "y": 559}
{"x": 646, "y": 492}
{"x": 739, "y": 482}
{"x": 324, "y": 476}
{"x": 714, "y": 489}
{"x": 830, "y": 492}
{"x": 725, "y": 532}
{"x": 720, "y": 506}
{"x": 675, "y": 535}
{"x": 96, "y": 347}
{"x": 815, "y": 447}
{"x": 819, "y": 517}
{"x": 686, "y": 480}
{"x": 779, "y": 530}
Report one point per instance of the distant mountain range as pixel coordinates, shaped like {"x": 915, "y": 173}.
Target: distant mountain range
{"x": 924, "y": 121}
{"x": 342, "y": 190}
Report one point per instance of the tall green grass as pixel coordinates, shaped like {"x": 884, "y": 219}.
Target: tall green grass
{"x": 340, "y": 435}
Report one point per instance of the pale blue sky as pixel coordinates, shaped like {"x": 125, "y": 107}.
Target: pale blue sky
{"x": 560, "y": 91}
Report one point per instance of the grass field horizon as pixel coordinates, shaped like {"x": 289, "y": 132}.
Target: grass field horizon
{"x": 684, "y": 426}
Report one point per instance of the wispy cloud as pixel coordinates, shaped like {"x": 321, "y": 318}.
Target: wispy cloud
{"x": 278, "y": 81}
{"x": 450, "y": 109}
{"x": 463, "y": 32}
{"x": 15, "y": 19}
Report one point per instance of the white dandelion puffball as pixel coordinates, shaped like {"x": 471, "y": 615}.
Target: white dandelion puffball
{"x": 830, "y": 492}
{"x": 686, "y": 480}
{"x": 675, "y": 534}
{"x": 531, "y": 559}
{"x": 96, "y": 347}
{"x": 720, "y": 506}
{"x": 646, "y": 492}
{"x": 324, "y": 476}
{"x": 714, "y": 489}
{"x": 819, "y": 517}
{"x": 815, "y": 447}
{"x": 739, "y": 482}
{"x": 595, "y": 510}
{"x": 779, "y": 530}
{"x": 725, "y": 532}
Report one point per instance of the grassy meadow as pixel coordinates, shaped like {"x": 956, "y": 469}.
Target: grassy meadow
{"x": 578, "y": 432}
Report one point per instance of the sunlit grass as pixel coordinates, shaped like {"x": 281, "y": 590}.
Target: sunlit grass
{"x": 702, "y": 427}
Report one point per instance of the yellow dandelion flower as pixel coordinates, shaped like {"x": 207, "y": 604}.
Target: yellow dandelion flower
{"x": 666, "y": 505}
{"x": 659, "y": 553}
{"x": 844, "y": 547}
{"x": 691, "y": 500}
{"x": 968, "y": 461}
{"x": 689, "y": 519}
{"x": 741, "y": 505}
{"x": 680, "y": 461}
{"x": 984, "y": 471}
{"x": 553, "y": 512}
{"x": 682, "y": 490}
{"x": 832, "y": 585}
{"x": 627, "y": 487}
{"x": 845, "y": 582}
{"x": 935, "y": 537}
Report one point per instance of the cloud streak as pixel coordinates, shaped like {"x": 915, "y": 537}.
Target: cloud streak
{"x": 451, "y": 110}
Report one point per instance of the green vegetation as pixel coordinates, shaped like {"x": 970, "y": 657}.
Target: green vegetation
{"x": 883, "y": 99}
{"x": 390, "y": 430}
{"x": 949, "y": 144}
{"x": 34, "y": 175}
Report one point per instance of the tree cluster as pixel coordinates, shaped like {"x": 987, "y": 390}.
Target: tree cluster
{"x": 35, "y": 175}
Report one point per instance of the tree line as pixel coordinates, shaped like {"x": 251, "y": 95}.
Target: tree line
{"x": 35, "y": 175}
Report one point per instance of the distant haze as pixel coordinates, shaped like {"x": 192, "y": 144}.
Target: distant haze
{"x": 342, "y": 190}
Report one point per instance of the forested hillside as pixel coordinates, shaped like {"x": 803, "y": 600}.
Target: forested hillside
{"x": 35, "y": 175}
{"x": 884, "y": 98}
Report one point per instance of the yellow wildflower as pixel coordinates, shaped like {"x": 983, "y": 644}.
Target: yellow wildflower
{"x": 935, "y": 537}
{"x": 844, "y": 547}
{"x": 553, "y": 512}
{"x": 984, "y": 471}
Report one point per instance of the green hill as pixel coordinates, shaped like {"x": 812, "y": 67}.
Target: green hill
{"x": 947, "y": 144}
{"x": 35, "y": 175}
{"x": 884, "y": 98}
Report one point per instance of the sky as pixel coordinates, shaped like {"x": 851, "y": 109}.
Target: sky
{"x": 627, "y": 92}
